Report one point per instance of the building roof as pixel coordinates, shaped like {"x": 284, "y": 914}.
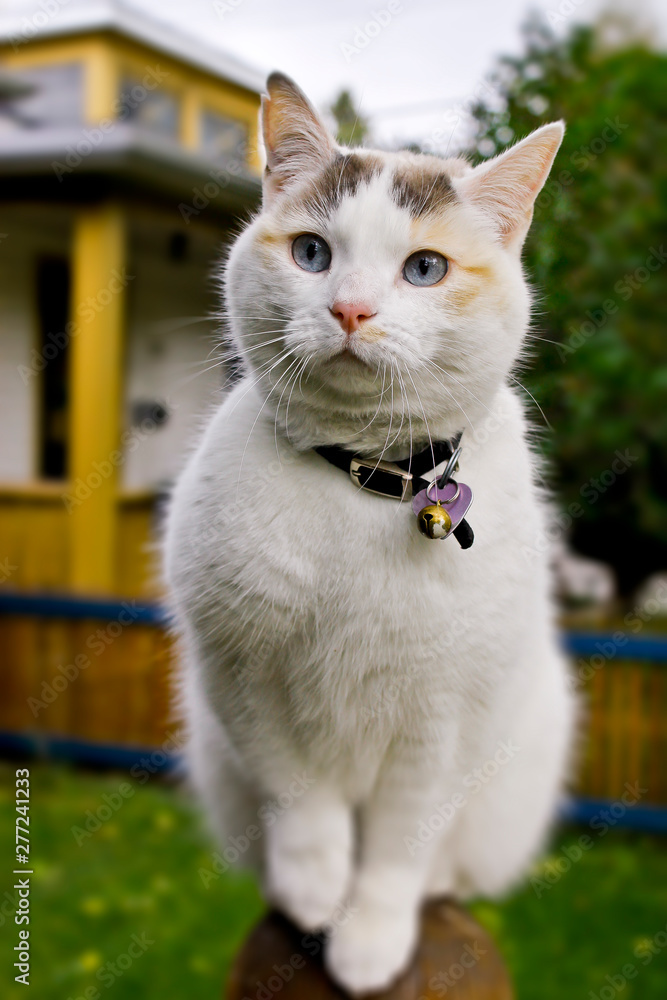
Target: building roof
{"x": 27, "y": 20}
{"x": 46, "y": 148}
{"x": 126, "y": 159}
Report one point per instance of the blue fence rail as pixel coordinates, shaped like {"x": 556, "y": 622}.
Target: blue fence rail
{"x": 608, "y": 645}
{"x": 628, "y": 647}
{"x": 78, "y": 608}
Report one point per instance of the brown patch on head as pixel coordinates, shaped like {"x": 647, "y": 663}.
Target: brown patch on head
{"x": 422, "y": 188}
{"x": 342, "y": 176}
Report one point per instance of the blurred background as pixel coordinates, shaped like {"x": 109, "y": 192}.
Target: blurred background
{"x": 129, "y": 157}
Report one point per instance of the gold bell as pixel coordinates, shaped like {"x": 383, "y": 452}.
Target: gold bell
{"x": 434, "y": 521}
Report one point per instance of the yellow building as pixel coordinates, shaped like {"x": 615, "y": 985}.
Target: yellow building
{"x": 127, "y": 153}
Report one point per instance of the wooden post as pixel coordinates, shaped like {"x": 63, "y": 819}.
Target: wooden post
{"x": 98, "y": 299}
{"x": 454, "y": 953}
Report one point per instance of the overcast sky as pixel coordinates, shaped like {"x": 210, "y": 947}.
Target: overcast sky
{"x": 429, "y": 57}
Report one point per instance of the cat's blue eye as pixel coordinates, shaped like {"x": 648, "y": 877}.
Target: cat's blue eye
{"x": 425, "y": 267}
{"x": 311, "y": 252}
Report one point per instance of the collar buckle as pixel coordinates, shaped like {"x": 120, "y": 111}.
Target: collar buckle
{"x": 362, "y": 474}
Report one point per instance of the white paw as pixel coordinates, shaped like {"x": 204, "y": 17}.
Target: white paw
{"x": 372, "y": 948}
{"x": 308, "y": 870}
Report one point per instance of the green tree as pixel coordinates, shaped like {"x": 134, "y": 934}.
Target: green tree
{"x": 352, "y": 127}
{"x": 600, "y": 269}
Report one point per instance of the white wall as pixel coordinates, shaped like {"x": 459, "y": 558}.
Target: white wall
{"x": 26, "y": 234}
{"x": 167, "y": 355}
{"x": 17, "y": 394}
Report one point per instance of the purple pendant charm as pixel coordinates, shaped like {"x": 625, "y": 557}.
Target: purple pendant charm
{"x": 440, "y": 509}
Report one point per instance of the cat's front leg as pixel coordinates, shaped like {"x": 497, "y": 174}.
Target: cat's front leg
{"x": 374, "y": 945}
{"x": 309, "y": 849}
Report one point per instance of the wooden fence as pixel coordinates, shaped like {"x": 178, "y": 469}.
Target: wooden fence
{"x": 86, "y": 670}
{"x": 623, "y": 682}
{"x": 35, "y": 540}
{"x": 99, "y": 673}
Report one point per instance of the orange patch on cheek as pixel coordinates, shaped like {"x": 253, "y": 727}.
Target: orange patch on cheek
{"x": 473, "y": 282}
{"x": 464, "y": 295}
{"x": 272, "y": 245}
{"x": 269, "y": 238}
{"x": 480, "y": 271}
{"x": 370, "y": 333}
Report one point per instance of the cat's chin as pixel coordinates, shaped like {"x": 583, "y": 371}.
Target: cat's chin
{"x": 349, "y": 375}
{"x": 347, "y": 362}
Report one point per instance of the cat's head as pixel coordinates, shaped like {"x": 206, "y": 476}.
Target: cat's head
{"x": 381, "y": 285}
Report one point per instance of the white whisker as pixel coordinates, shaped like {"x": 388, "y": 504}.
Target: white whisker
{"x": 297, "y": 362}
{"x": 428, "y": 431}
{"x": 259, "y": 412}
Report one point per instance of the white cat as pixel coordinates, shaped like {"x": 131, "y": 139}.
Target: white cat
{"x": 376, "y": 716}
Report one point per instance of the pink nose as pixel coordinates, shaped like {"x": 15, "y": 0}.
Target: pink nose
{"x": 351, "y": 315}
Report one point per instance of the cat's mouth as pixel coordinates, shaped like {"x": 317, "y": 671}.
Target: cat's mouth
{"x": 348, "y": 355}
{"x": 346, "y": 367}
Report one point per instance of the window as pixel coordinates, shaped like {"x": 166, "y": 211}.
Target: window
{"x": 43, "y": 96}
{"x": 156, "y": 110}
{"x": 223, "y": 139}
{"x": 53, "y": 291}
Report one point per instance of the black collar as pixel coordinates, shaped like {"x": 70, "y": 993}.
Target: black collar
{"x": 397, "y": 479}
{"x": 391, "y": 479}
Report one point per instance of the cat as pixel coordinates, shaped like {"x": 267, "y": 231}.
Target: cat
{"x": 375, "y": 717}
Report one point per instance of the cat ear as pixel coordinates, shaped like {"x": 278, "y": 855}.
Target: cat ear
{"x": 506, "y": 186}
{"x": 295, "y": 138}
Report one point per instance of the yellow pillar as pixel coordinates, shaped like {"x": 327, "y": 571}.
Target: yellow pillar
{"x": 98, "y": 299}
{"x": 190, "y": 119}
{"x": 102, "y": 83}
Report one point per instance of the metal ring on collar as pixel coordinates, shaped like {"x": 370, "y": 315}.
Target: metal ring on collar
{"x": 435, "y": 482}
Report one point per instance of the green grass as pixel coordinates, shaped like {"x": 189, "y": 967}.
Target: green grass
{"x": 139, "y": 874}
